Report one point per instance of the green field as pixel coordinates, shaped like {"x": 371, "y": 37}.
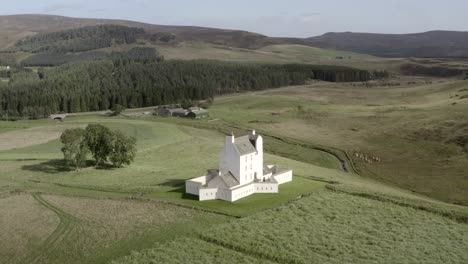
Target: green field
{"x": 278, "y": 54}
{"x": 398, "y": 210}
{"x": 249, "y": 205}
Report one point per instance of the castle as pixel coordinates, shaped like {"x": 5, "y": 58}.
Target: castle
{"x": 241, "y": 172}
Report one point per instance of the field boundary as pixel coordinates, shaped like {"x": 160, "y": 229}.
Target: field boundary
{"x": 252, "y": 253}
{"x": 459, "y": 217}
{"x": 84, "y": 187}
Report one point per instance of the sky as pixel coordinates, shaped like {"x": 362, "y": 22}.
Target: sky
{"x": 279, "y": 18}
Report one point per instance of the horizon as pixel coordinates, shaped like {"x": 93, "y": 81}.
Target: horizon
{"x": 234, "y": 29}
{"x": 270, "y": 18}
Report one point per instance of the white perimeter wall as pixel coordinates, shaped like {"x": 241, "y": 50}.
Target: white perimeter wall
{"x": 242, "y": 192}
{"x": 214, "y": 193}
{"x": 266, "y": 187}
{"x": 193, "y": 186}
{"x": 283, "y": 177}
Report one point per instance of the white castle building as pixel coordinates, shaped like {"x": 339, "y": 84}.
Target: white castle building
{"x": 241, "y": 172}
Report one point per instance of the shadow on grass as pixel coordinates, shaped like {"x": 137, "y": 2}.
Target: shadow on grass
{"x": 183, "y": 195}
{"x": 53, "y": 166}
{"x": 179, "y": 189}
{"x": 173, "y": 183}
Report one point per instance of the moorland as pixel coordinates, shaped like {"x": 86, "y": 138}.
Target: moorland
{"x": 379, "y": 152}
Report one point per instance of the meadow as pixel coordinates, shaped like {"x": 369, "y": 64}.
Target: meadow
{"x": 399, "y": 209}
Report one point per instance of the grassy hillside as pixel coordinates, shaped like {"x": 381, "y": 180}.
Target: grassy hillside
{"x": 16, "y": 27}
{"x": 432, "y": 44}
{"x": 278, "y": 54}
{"x": 417, "y": 129}
{"x": 301, "y": 51}
{"x": 325, "y": 215}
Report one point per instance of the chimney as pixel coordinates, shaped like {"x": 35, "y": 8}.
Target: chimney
{"x": 230, "y": 139}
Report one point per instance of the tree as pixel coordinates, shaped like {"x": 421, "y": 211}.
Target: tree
{"x": 124, "y": 149}
{"x": 187, "y": 103}
{"x": 74, "y": 147}
{"x": 207, "y": 104}
{"x": 117, "y": 109}
{"x": 99, "y": 140}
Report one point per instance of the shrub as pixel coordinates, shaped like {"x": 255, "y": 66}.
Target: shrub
{"x": 117, "y": 109}
{"x": 74, "y": 147}
{"x": 99, "y": 140}
{"x": 123, "y": 151}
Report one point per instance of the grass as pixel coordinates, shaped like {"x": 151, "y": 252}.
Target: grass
{"x": 92, "y": 230}
{"x": 247, "y": 206}
{"x": 24, "y": 224}
{"x": 300, "y": 52}
{"x": 386, "y": 214}
{"x": 94, "y": 223}
{"x": 339, "y": 116}
{"x": 189, "y": 251}
{"x": 335, "y": 228}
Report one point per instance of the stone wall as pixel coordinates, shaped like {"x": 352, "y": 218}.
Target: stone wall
{"x": 283, "y": 177}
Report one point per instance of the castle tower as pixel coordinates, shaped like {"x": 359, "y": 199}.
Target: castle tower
{"x": 257, "y": 141}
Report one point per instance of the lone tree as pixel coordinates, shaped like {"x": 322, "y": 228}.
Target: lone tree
{"x": 103, "y": 143}
{"x": 207, "y": 104}
{"x": 117, "y": 109}
{"x": 187, "y": 103}
{"x": 74, "y": 147}
{"x": 99, "y": 140}
{"x": 124, "y": 149}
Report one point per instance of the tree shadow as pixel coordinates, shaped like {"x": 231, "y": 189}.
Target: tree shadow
{"x": 105, "y": 166}
{"x": 51, "y": 167}
{"x": 54, "y": 166}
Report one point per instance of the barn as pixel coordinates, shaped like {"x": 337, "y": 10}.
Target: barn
{"x": 197, "y": 114}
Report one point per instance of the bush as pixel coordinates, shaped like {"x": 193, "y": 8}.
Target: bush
{"x": 117, "y": 109}
{"x": 207, "y": 104}
{"x": 99, "y": 140}
{"x": 123, "y": 151}
{"x": 103, "y": 143}
{"x": 74, "y": 147}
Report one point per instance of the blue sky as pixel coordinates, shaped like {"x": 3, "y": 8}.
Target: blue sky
{"x": 291, "y": 18}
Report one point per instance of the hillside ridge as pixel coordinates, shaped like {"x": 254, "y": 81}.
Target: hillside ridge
{"x": 435, "y": 43}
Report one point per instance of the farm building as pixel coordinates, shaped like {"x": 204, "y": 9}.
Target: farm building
{"x": 165, "y": 110}
{"x": 197, "y": 113}
{"x": 241, "y": 172}
{"x": 192, "y": 112}
{"x": 179, "y": 112}
{"x": 58, "y": 117}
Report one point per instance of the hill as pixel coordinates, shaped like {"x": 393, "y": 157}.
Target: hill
{"x": 139, "y": 214}
{"x": 16, "y": 27}
{"x": 428, "y": 44}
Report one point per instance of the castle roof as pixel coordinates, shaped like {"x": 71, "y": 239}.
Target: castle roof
{"x": 225, "y": 180}
{"x": 244, "y": 145}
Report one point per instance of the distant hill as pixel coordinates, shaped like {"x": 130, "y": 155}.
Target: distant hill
{"x": 429, "y": 44}
{"x": 441, "y": 44}
{"x": 16, "y": 27}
